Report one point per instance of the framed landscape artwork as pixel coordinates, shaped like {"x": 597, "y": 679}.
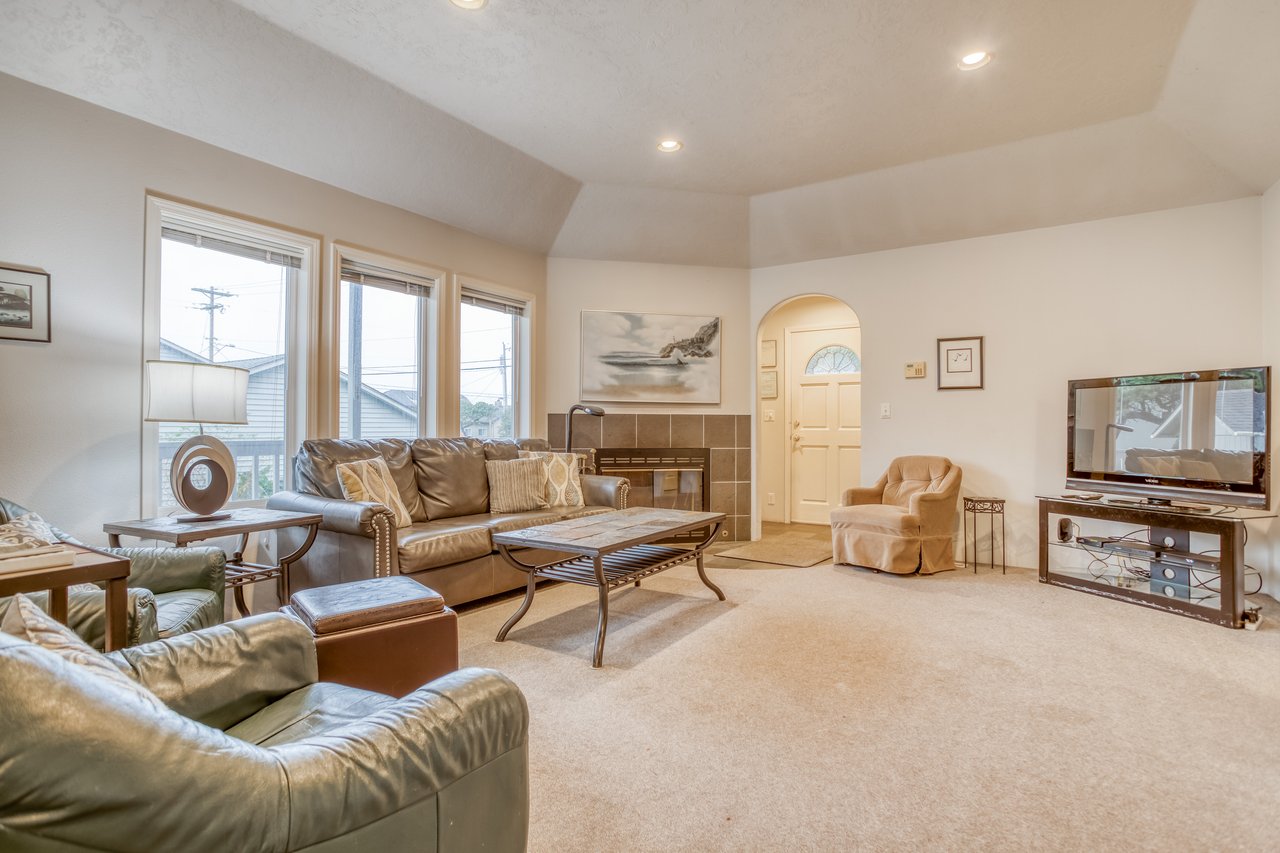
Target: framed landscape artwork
{"x": 959, "y": 363}
{"x": 650, "y": 358}
{"x": 24, "y": 304}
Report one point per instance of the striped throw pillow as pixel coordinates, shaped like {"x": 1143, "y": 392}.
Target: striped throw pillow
{"x": 370, "y": 480}
{"x": 564, "y": 481}
{"x": 516, "y": 485}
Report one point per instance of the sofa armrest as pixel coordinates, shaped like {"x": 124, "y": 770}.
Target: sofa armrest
{"x": 222, "y": 675}
{"x": 355, "y": 517}
{"x": 172, "y": 569}
{"x": 470, "y": 721}
{"x": 598, "y": 490}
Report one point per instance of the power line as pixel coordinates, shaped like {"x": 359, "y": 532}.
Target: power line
{"x": 213, "y": 295}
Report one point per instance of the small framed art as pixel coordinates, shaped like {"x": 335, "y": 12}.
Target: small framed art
{"x": 24, "y": 304}
{"x": 768, "y": 384}
{"x": 959, "y": 363}
{"x": 768, "y": 353}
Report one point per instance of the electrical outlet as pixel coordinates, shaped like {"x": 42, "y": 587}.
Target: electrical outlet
{"x": 773, "y": 499}
{"x": 914, "y": 370}
{"x": 885, "y": 410}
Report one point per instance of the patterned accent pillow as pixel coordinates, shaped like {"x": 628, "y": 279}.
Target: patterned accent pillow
{"x": 370, "y": 480}
{"x": 26, "y": 532}
{"x": 26, "y": 621}
{"x": 564, "y": 481}
{"x": 516, "y": 485}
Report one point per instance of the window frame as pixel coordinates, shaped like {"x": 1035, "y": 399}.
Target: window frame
{"x": 522, "y": 348}
{"x": 431, "y": 345}
{"x": 301, "y": 317}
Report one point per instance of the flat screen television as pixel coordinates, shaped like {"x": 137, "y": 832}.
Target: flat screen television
{"x": 1199, "y": 436}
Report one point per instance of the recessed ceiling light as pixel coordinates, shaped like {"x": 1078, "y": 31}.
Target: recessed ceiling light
{"x": 670, "y": 146}
{"x": 469, "y": 4}
{"x": 977, "y": 59}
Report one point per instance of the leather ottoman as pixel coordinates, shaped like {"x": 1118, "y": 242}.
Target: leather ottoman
{"x": 391, "y": 635}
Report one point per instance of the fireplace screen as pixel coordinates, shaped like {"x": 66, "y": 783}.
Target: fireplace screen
{"x": 665, "y": 478}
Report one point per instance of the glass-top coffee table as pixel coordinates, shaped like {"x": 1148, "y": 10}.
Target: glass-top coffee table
{"x": 609, "y": 551}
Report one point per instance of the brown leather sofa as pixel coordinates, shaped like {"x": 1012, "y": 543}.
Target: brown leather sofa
{"x": 251, "y": 752}
{"x": 443, "y": 484}
{"x": 906, "y": 522}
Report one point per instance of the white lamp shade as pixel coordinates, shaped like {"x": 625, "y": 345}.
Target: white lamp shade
{"x": 188, "y": 392}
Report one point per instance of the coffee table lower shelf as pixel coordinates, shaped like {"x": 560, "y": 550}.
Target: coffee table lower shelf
{"x": 610, "y": 566}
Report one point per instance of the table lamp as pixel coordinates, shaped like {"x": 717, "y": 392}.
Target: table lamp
{"x": 203, "y": 474}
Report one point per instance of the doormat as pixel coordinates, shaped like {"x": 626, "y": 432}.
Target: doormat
{"x": 783, "y": 552}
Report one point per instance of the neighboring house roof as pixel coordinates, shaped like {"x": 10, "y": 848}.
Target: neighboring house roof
{"x": 1235, "y": 414}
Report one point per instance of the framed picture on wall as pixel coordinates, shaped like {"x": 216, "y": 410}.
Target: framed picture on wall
{"x": 959, "y": 363}
{"x": 768, "y": 353}
{"x": 768, "y": 384}
{"x": 24, "y": 304}
{"x": 650, "y": 358}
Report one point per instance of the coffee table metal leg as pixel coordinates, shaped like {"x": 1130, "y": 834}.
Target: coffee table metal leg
{"x": 702, "y": 572}
{"x": 523, "y": 609}
{"x": 603, "y": 624}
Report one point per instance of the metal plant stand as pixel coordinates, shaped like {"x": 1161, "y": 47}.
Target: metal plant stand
{"x": 974, "y": 507}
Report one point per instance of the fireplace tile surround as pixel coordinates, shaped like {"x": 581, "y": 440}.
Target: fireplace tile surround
{"x": 728, "y": 437}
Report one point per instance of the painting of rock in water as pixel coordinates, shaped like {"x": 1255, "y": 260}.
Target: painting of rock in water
{"x": 650, "y": 358}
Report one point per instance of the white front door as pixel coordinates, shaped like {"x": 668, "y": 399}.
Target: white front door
{"x": 825, "y": 402}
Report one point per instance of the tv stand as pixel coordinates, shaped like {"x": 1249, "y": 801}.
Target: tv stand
{"x": 1154, "y": 567}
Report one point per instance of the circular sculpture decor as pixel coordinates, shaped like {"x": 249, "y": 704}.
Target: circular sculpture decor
{"x": 202, "y": 477}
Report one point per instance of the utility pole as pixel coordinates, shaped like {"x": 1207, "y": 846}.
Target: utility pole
{"x": 213, "y": 295}
{"x": 502, "y": 366}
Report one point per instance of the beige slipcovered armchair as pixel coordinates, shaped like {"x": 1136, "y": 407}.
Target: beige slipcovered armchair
{"x": 905, "y": 522}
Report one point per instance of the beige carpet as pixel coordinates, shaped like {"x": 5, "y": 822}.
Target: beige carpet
{"x": 785, "y": 552}
{"x": 831, "y": 708}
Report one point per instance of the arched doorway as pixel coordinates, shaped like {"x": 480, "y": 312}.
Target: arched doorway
{"x": 808, "y": 409}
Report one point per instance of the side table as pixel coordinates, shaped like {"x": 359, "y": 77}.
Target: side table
{"x": 242, "y": 522}
{"x": 90, "y": 567}
{"x": 974, "y": 507}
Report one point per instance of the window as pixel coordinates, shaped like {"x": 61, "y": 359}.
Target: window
{"x": 225, "y": 291}
{"x": 833, "y": 359}
{"x": 491, "y": 364}
{"x": 382, "y": 343}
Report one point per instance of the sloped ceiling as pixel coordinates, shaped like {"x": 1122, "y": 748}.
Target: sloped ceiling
{"x": 812, "y": 130}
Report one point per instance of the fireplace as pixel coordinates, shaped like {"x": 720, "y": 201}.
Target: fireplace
{"x": 662, "y": 477}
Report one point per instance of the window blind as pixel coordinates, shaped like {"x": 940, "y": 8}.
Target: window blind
{"x": 493, "y": 302}
{"x": 232, "y": 244}
{"x": 372, "y": 276}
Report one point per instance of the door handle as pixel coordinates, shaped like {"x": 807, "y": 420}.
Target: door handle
{"x": 796, "y": 436}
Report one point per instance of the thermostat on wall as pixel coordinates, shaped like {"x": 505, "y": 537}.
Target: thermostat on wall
{"x": 914, "y": 370}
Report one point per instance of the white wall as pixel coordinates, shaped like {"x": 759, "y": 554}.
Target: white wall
{"x": 574, "y": 286}
{"x": 1266, "y": 552}
{"x": 774, "y": 437}
{"x": 75, "y": 179}
{"x": 1168, "y": 291}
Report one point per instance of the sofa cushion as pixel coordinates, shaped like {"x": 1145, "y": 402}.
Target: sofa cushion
{"x": 441, "y": 543}
{"x": 369, "y": 480}
{"x": 450, "y": 475}
{"x": 186, "y": 610}
{"x": 876, "y": 518}
{"x": 308, "y": 711}
{"x": 516, "y": 485}
{"x": 317, "y": 461}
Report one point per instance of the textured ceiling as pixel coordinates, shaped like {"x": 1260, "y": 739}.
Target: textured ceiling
{"x": 813, "y": 129}
{"x": 766, "y": 95}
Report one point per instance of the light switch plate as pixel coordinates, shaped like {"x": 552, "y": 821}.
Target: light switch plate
{"x": 914, "y": 370}
{"x": 768, "y": 416}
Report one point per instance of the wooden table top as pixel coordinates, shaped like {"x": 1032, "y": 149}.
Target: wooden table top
{"x": 89, "y": 567}
{"x": 602, "y": 534}
{"x": 246, "y": 520}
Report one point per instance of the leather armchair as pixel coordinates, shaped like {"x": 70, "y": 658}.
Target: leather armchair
{"x": 252, "y": 753}
{"x": 905, "y": 522}
{"x": 171, "y": 591}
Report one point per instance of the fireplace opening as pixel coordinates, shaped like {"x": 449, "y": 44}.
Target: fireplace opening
{"x": 664, "y": 478}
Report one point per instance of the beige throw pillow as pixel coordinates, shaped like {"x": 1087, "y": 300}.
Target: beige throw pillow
{"x": 370, "y": 480}
{"x": 26, "y": 621}
{"x": 516, "y": 485}
{"x": 564, "y": 482}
